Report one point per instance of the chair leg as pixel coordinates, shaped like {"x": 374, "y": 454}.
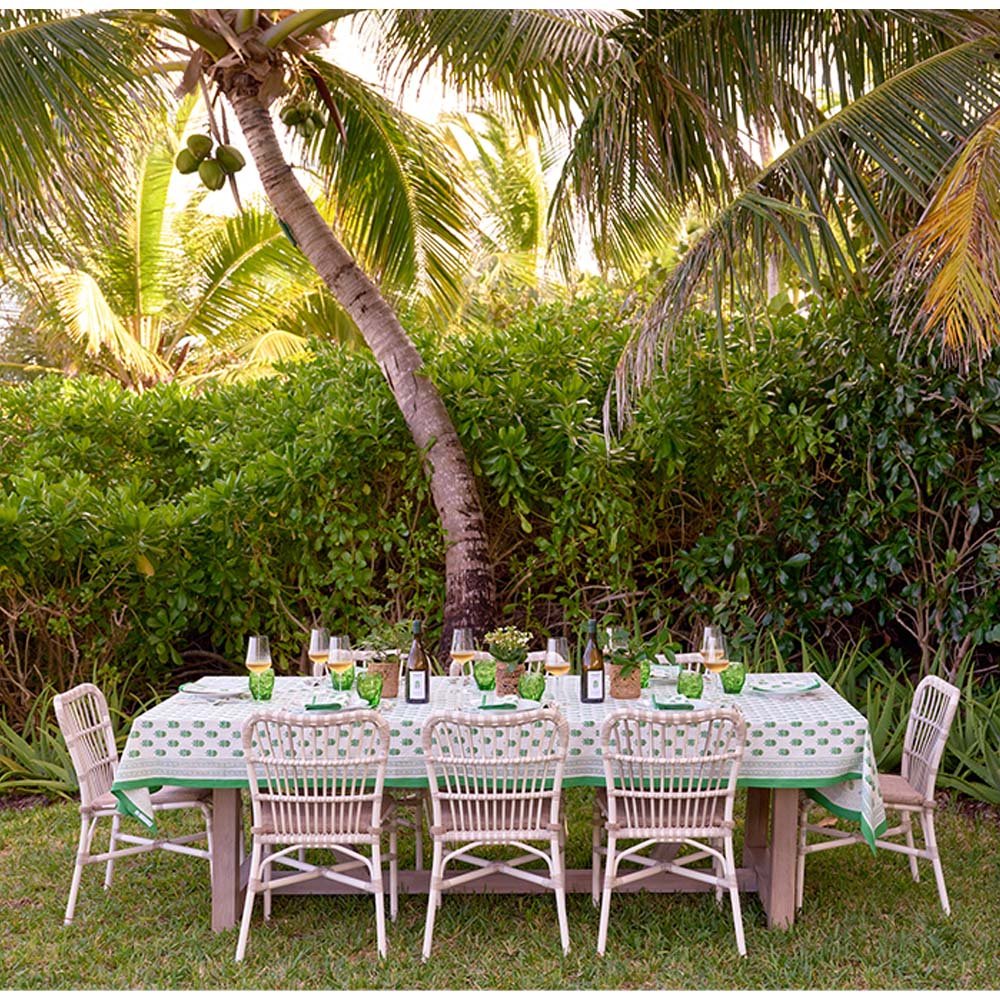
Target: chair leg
{"x": 559, "y": 877}
{"x": 379, "y": 893}
{"x": 734, "y": 896}
{"x": 908, "y": 833}
{"x": 265, "y": 853}
{"x": 82, "y": 851}
{"x": 610, "y": 870}
{"x": 393, "y": 873}
{"x": 595, "y": 856}
{"x": 112, "y": 843}
{"x": 800, "y": 855}
{"x": 930, "y": 840}
{"x": 252, "y": 886}
{"x": 720, "y": 873}
{"x": 433, "y": 897}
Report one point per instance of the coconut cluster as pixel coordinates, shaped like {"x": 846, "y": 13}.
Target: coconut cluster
{"x": 213, "y": 170}
{"x": 305, "y": 118}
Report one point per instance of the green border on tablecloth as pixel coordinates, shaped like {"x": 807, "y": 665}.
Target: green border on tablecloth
{"x": 867, "y": 832}
{"x": 128, "y": 808}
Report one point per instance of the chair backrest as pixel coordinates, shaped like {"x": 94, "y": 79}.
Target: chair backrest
{"x": 934, "y": 704}
{"x": 496, "y": 774}
{"x": 672, "y": 771}
{"x": 316, "y": 775}
{"x": 83, "y": 717}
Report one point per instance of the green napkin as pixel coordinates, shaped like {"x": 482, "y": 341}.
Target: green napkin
{"x": 331, "y": 706}
{"x": 503, "y": 706}
{"x": 674, "y": 706}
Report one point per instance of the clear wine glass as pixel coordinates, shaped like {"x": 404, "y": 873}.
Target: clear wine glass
{"x": 319, "y": 650}
{"x": 340, "y": 662}
{"x": 258, "y": 662}
{"x": 557, "y": 663}
{"x": 463, "y": 648}
{"x": 714, "y": 656}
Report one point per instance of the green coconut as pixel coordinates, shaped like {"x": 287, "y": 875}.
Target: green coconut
{"x": 291, "y": 115}
{"x": 186, "y": 162}
{"x": 305, "y": 108}
{"x": 200, "y": 146}
{"x": 211, "y": 173}
{"x": 230, "y": 159}
{"x": 307, "y": 129}
{"x": 317, "y": 118}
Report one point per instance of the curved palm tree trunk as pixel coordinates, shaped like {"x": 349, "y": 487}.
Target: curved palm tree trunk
{"x": 470, "y": 589}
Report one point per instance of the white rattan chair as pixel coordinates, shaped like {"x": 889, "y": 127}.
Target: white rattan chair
{"x": 496, "y": 780}
{"x": 411, "y": 807}
{"x": 317, "y": 782}
{"x": 910, "y": 792}
{"x": 85, "y": 723}
{"x": 670, "y": 778}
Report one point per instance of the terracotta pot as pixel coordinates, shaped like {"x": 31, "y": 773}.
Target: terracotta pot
{"x": 508, "y": 674}
{"x": 625, "y": 687}
{"x": 389, "y": 672}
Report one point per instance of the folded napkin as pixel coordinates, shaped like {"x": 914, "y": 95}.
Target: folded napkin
{"x": 674, "y": 706}
{"x": 502, "y": 706}
{"x": 330, "y": 706}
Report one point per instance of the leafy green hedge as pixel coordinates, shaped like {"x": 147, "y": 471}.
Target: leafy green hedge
{"x": 807, "y": 482}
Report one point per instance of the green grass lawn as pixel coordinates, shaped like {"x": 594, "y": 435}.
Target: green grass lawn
{"x": 865, "y": 925}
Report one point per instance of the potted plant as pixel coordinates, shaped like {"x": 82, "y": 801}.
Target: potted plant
{"x": 509, "y": 647}
{"x": 623, "y": 666}
{"x": 388, "y": 644}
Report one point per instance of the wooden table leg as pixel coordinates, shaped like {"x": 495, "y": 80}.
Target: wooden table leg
{"x": 780, "y": 902}
{"x": 755, "y": 826}
{"x": 227, "y": 883}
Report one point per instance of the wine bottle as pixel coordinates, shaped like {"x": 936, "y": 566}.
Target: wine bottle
{"x": 417, "y": 670}
{"x": 592, "y": 668}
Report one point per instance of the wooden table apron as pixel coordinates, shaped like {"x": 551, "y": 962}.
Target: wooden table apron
{"x": 814, "y": 742}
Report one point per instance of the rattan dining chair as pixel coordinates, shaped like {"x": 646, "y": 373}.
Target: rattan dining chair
{"x": 496, "y": 780}
{"x": 670, "y": 778}
{"x": 411, "y": 807}
{"x": 909, "y": 793}
{"x": 317, "y": 782}
{"x": 83, "y": 717}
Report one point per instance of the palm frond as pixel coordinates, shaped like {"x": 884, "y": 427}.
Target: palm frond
{"x": 396, "y": 204}
{"x": 954, "y": 254}
{"x": 895, "y": 138}
{"x": 90, "y": 322}
{"x": 541, "y": 61}
{"x": 67, "y": 83}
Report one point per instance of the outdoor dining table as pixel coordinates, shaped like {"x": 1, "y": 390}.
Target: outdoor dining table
{"x": 797, "y": 740}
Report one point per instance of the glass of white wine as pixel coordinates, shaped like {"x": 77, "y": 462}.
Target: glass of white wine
{"x": 714, "y": 655}
{"x": 557, "y": 662}
{"x": 463, "y": 648}
{"x": 258, "y": 662}
{"x": 340, "y": 662}
{"x": 319, "y": 650}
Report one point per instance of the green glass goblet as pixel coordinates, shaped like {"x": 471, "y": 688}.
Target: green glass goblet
{"x": 342, "y": 680}
{"x": 734, "y": 677}
{"x": 531, "y": 686}
{"x": 690, "y": 684}
{"x": 485, "y": 674}
{"x": 262, "y": 684}
{"x": 370, "y": 689}
{"x": 645, "y": 668}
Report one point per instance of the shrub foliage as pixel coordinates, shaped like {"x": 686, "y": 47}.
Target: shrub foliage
{"x": 808, "y": 482}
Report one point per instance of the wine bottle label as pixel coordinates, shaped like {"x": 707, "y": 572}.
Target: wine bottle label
{"x": 595, "y": 683}
{"x": 418, "y": 685}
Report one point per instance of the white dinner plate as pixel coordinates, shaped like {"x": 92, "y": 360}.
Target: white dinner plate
{"x": 783, "y": 684}
{"x": 207, "y": 692}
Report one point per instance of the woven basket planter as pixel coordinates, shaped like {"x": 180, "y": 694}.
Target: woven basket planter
{"x": 508, "y": 674}
{"x": 625, "y": 687}
{"x": 389, "y": 672}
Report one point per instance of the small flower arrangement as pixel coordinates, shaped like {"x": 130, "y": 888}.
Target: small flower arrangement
{"x": 508, "y": 644}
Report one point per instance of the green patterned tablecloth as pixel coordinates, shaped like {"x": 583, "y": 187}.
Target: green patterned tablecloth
{"x": 813, "y": 740}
